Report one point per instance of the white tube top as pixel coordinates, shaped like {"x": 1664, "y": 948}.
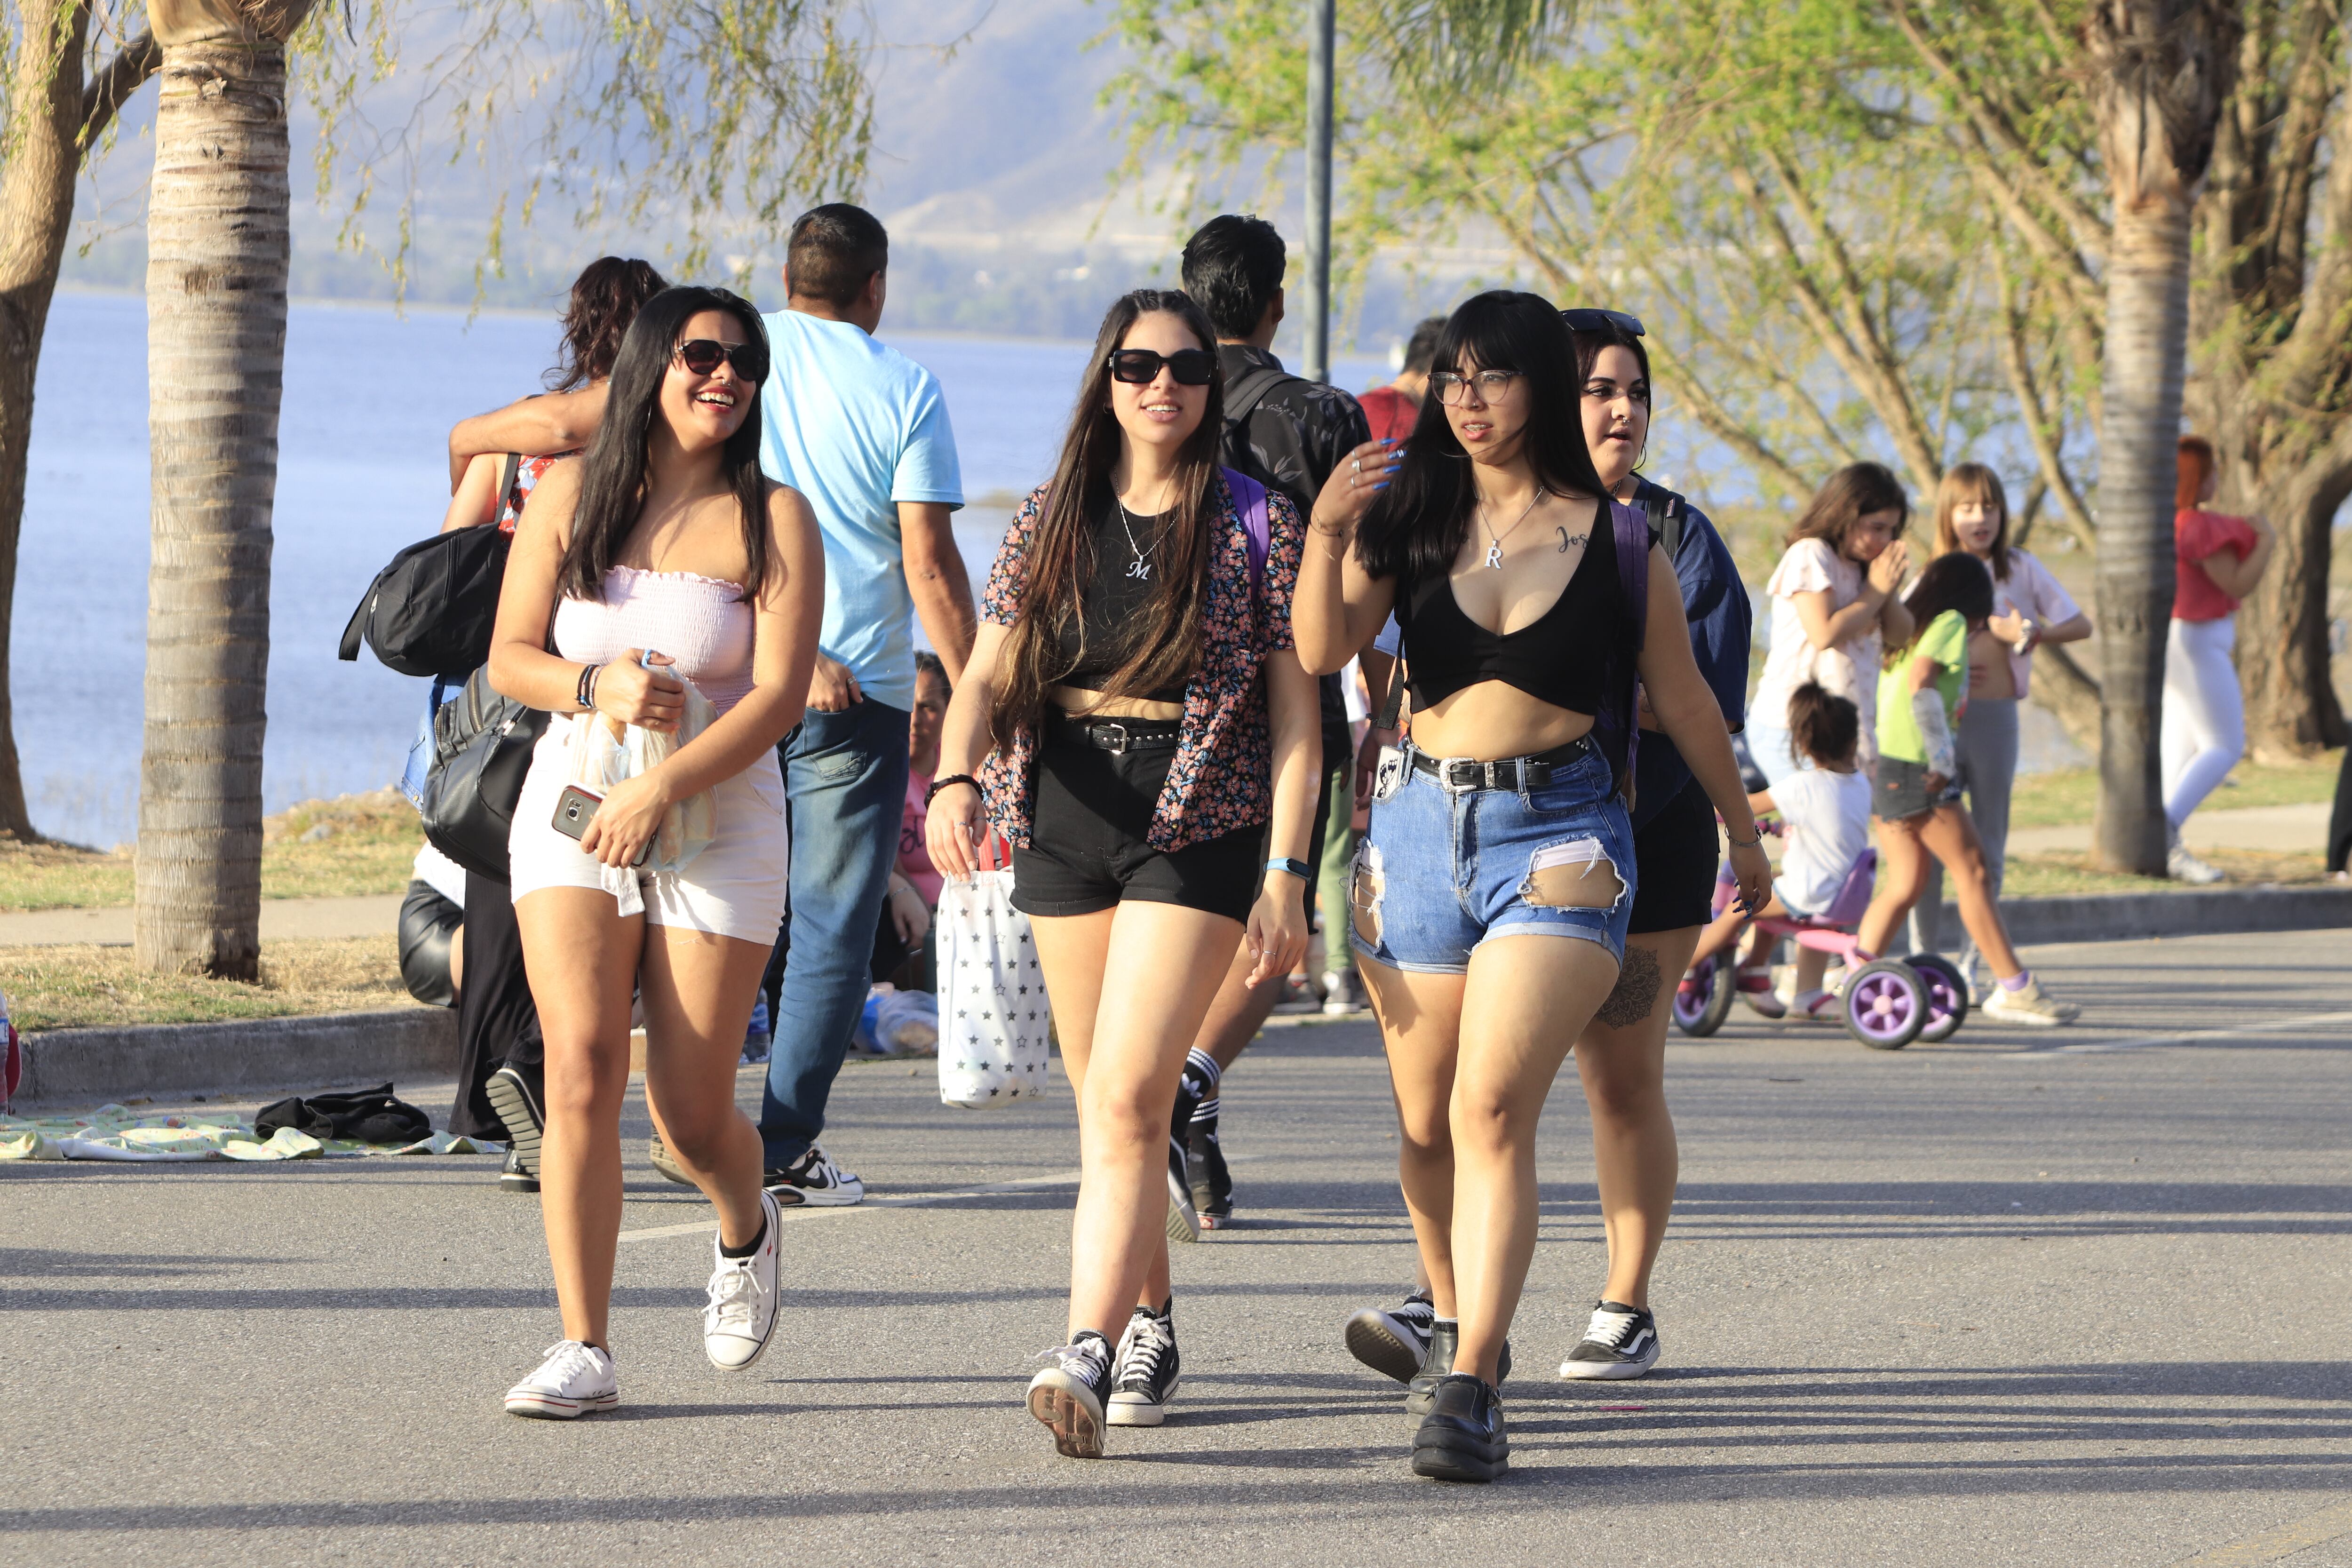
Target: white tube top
{"x": 704, "y": 624}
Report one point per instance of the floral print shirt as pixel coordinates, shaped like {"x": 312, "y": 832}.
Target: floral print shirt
{"x": 1223, "y": 775}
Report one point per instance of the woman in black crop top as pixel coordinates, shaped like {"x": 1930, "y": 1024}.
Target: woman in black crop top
{"x": 1492, "y": 894}
{"x": 1149, "y": 743}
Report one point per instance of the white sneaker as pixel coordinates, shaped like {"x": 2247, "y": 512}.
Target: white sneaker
{"x": 2183, "y": 866}
{"x": 574, "y": 1380}
{"x": 741, "y": 1316}
{"x": 815, "y": 1182}
{"x": 1342, "y": 994}
{"x": 2029, "y": 1006}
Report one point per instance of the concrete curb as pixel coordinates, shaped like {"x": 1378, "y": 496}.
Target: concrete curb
{"x": 336, "y": 1048}
{"x": 2123, "y": 917}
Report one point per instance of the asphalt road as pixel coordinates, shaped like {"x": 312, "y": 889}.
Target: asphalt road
{"x": 2075, "y": 1297}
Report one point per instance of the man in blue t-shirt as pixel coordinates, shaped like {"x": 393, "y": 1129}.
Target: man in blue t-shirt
{"x": 861, "y": 431}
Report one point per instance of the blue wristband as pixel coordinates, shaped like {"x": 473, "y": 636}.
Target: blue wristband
{"x": 1294, "y": 866}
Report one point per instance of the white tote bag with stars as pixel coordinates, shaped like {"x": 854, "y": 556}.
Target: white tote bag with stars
{"x": 995, "y": 1028}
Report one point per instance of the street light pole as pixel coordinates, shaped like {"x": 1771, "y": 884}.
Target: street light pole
{"x": 1319, "y": 40}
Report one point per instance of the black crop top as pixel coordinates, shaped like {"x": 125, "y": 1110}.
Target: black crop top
{"x": 1095, "y": 640}
{"x": 1562, "y": 657}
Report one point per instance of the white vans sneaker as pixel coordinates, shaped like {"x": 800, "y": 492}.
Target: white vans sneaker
{"x": 574, "y": 1380}
{"x": 2183, "y": 866}
{"x": 2030, "y": 1004}
{"x": 741, "y": 1316}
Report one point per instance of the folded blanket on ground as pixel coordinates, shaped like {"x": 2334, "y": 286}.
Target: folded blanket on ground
{"x": 118, "y": 1132}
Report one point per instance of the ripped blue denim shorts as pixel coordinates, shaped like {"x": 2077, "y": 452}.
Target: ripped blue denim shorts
{"x": 1446, "y": 867}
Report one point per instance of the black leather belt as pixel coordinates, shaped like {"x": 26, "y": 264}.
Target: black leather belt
{"x": 1460, "y": 773}
{"x": 1123, "y": 735}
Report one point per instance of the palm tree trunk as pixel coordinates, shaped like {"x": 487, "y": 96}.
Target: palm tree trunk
{"x": 2159, "y": 72}
{"x": 216, "y": 239}
{"x": 2292, "y": 710}
{"x": 2147, "y": 340}
{"x": 35, "y": 210}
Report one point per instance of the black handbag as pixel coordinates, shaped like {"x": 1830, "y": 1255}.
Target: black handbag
{"x": 431, "y": 610}
{"x": 481, "y": 750}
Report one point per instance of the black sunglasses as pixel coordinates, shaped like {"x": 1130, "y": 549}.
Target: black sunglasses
{"x": 703, "y": 356}
{"x": 1140, "y": 367}
{"x": 1584, "y": 320}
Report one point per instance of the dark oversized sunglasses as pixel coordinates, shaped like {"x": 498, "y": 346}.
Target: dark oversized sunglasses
{"x": 703, "y": 356}
{"x": 1140, "y": 367}
{"x": 1585, "y": 320}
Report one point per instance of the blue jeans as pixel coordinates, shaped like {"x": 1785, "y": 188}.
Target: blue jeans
{"x": 1443, "y": 870}
{"x": 845, "y": 790}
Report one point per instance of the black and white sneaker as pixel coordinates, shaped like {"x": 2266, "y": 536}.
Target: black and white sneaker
{"x": 1183, "y": 1219}
{"x": 1205, "y": 1176}
{"x": 1069, "y": 1394}
{"x": 513, "y": 1178}
{"x": 814, "y": 1182}
{"x": 1393, "y": 1342}
{"x": 1621, "y": 1341}
{"x": 517, "y": 1094}
{"x": 1143, "y": 1379}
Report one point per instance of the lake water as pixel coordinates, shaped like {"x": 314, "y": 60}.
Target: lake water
{"x": 369, "y": 397}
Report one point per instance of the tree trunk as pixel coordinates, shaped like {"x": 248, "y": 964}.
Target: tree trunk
{"x": 217, "y": 251}
{"x": 2147, "y": 342}
{"x": 36, "y": 190}
{"x": 2292, "y": 710}
{"x": 2065, "y": 689}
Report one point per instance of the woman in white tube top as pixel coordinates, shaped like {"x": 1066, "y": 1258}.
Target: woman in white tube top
{"x": 663, "y": 553}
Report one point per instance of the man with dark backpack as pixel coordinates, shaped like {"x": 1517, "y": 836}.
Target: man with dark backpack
{"x": 1288, "y": 433}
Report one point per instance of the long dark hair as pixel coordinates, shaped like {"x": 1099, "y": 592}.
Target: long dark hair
{"x": 613, "y": 474}
{"x": 1851, "y": 493}
{"x": 605, "y": 298}
{"x": 1955, "y": 581}
{"x": 1162, "y": 641}
{"x": 1417, "y": 526}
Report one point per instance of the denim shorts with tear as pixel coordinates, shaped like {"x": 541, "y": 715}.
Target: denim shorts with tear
{"x": 1443, "y": 870}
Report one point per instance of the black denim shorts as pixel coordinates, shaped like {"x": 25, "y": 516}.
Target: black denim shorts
{"x": 1900, "y": 790}
{"x": 1087, "y": 847}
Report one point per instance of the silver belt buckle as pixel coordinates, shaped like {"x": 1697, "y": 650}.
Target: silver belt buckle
{"x": 1460, "y": 774}
{"x": 1118, "y": 748}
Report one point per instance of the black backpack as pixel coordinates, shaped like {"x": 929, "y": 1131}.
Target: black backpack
{"x": 430, "y": 611}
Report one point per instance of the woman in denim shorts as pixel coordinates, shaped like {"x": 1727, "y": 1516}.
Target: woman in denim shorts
{"x": 1492, "y": 894}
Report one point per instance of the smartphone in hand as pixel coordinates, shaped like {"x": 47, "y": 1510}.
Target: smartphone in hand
{"x": 575, "y": 808}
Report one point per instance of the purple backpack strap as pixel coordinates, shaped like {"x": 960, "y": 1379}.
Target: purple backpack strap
{"x": 1249, "y": 500}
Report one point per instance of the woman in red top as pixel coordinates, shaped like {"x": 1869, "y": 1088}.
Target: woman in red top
{"x": 2219, "y": 559}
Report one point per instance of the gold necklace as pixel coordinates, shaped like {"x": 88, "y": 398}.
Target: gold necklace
{"x": 1493, "y": 540}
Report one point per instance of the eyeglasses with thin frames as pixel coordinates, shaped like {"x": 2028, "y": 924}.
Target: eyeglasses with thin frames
{"x": 1450, "y": 387}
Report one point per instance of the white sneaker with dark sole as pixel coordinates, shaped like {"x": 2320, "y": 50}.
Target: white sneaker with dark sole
{"x": 739, "y": 1317}
{"x": 1144, "y": 1377}
{"x": 1621, "y": 1341}
{"x": 1069, "y": 1395}
{"x": 575, "y": 1380}
{"x": 813, "y": 1181}
{"x": 1393, "y": 1342}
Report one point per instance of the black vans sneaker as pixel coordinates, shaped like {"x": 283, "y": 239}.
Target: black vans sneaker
{"x": 1069, "y": 1394}
{"x": 1463, "y": 1437}
{"x": 1395, "y": 1341}
{"x": 516, "y": 1093}
{"x": 1445, "y": 1339}
{"x": 1143, "y": 1372}
{"x": 1205, "y": 1174}
{"x": 1621, "y": 1341}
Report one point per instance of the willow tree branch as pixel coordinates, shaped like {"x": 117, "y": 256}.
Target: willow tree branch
{"x": 105, "y": 94}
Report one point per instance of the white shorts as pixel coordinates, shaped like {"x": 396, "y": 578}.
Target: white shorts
{"x": 734, "y": 888}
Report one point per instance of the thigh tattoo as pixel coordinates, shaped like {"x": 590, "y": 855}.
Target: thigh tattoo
{"x": 1637, "y": 990}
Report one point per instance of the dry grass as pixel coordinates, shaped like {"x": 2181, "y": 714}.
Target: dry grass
{"x": 2071, "y": 796}
{"x": 85, "y": 985}
{"x": 2069, "y": 872}
{"x": 354, "y": 844}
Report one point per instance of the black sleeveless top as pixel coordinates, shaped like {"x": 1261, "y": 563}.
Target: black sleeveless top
{"x": 1095, "y": 640}
{"x": 1563, "y": 656}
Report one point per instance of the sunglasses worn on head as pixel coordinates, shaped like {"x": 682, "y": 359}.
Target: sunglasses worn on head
{"x": 1140, "y": 367}
{"x": 703, "y": 356}
{"x": 1583, "y": 319}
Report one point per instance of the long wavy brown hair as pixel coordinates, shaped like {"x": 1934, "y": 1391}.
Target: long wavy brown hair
{"x": 1160, "y": 645}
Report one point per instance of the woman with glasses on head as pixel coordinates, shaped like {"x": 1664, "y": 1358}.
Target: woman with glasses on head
{"x": 664, "y": 557}
{"x": 1135, "y": 715}
{"x": 1494, "y": 889}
